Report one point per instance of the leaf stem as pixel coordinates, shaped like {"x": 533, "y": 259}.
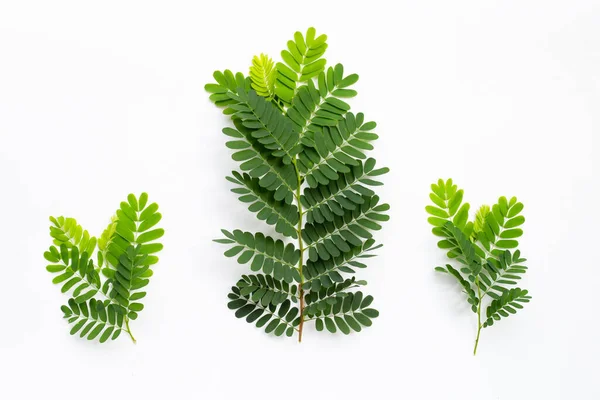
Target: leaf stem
{"x": 301, "y": 248}
{"x": 128, "y": 330}
{"x": 478, "y": 316}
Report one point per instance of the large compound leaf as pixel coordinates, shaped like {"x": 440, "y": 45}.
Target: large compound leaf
{"x": 483, "y": 247}
{"x": 126, "y": 250}
{"x": 305, "y": 172}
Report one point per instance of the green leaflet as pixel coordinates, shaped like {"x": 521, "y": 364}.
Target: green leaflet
{"x": 262, "y": 201}
{"x": 482, "y": 247}
{"x": 325, "y": 273}
{"x": 507, "y": 304}
{"x": 271, "y": 172}
{"x": 302, "y": 61}
{"x": 276, "y": 319}
{"x": 326, "y": 201}
{"x": 226, "y": 83}
{"x": 502, "y": 226}
{"x": 351, "y": 313}
{"x": 273, "y": 257}
{"x": 330, "y": 239}
{"x": 135, "y": 223}
{"x": 336, "y": 149}
{"x": 480, "y": 220}
{"x": 466, "y": 252}
{"x": 105, "y": 240}
{"x": 263, "y": 75}
{"x": 306, "y": 172}
{"x": 94, "y": 319}
{"x": 320, "y": 105}
{"x": 319, "y": 300}
{"x": 68, "y": 232}
{"x": 75, "y": 271}
{"x": 448, "y": 206}
{"x": 267, "y": 290}
{"x": 504, "y": 271}
{"x": 266, "y": 124}
{"x": 105, "y": 296}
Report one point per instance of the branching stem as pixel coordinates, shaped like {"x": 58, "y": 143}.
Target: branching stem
{"x": 129, "y": 330}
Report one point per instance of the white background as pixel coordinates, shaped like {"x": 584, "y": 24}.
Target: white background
{"x": 101, "y": 99}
